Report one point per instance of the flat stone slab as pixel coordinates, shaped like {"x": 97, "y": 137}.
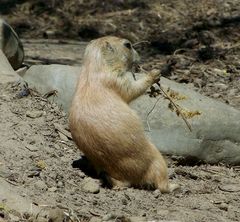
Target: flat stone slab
{"x": 215, "y": 135}
{"x": 47, "y": 78}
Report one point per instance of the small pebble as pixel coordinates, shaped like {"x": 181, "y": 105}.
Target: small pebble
{"x": 124, "y": 201}
{"x": 34, "y": 114}
{"x": 221, "y": 86}
{"x": 216, "y": 95}
{"x": 233, "y": 92}
{"x": 40, "y": 185}
{"x": 62, "y": 136}
{"x": 60, "y": 184}
{"x": 156, "y": 193}
{"x": 137, "y": 219}
{"x": 223, "y": 206}
{"x": 56, "y": 215}
{"x": 89, "y": 185}
{"x": 52, "y": 189}
{"x": 163, "y": 212}
{"x": 108, "y": 217}
{"x": 95, "y": 219}
{"x": 31, "y": 148}
{"x": 13, "y": 218}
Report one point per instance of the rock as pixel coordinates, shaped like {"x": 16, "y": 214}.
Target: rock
{"x": 13, "y": 218}
{"x": 215, "y": 126}
{"x": 220, "y": 72}
{"x": 163, "y": 212}
{"x": 230, "y": 187}
{"x": 108, "y": 217}
{"x": 34, "y": 114}
{"x": 40, "y": 185}
{"x": 62, "y": 136}
{"x": 216, "y": 95}
{"x": 233, "y": 92}
{"x": 156, "y": 193}
{"x": 4, "y": 171}
{"x": 7, "y": 74}
{"x": 49, "y": 34}
{"x": 137, "y": 219}
{"x": 31, "y": 148}
{"x": 60, "y": 184}
{"x": 223, "y": 206}
{"x": 63, "y": 131}
{"x": 215, "y": 132}
{"x": 89, "y": 185}
{"x": 95, "y": 219}
{"x": 221, "y": 86}
{"x": 52, "y": 189}
{"x": 56, "y": 215}
{"x": 11, "y": 45}
{"x": 47, "y": 78}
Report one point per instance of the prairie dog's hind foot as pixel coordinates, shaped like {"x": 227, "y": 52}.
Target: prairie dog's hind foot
{"x": 174, "y": 187}
{"x": 119, "y": 185}
{"x": 168, "y": 187}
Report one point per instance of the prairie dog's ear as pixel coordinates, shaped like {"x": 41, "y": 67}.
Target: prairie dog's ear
{"x": 109, "y": 47}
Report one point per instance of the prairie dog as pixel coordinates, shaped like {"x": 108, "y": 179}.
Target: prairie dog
{"x": 104, "y": 127}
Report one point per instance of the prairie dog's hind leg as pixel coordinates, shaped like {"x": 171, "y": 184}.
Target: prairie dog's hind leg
{"x": 157, "y": 173}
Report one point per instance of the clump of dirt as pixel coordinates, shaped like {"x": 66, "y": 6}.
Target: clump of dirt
{"x": 40, "y": 160}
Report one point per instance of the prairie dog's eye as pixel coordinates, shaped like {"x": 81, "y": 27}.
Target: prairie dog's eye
{"x": 128, "y": 45}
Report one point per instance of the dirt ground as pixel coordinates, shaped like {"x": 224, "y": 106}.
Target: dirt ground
{"x": 44, "y": 165}
{"x": 196, "y": 43}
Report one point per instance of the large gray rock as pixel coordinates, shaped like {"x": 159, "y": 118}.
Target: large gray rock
{"x": 215, "y": 135}
{"x": 46, "y": 78}
{"x": 216, "y": 131}
{"x": 11, "y": 45}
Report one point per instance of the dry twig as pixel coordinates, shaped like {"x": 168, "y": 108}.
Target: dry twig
{"x": 141, "y": 42}
{"x": 151, "y": 112}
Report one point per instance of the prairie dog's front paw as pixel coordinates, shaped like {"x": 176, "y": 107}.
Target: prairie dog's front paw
{"x": 155, "y": 75}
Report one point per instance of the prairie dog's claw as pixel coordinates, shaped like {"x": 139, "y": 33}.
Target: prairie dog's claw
{"x": 155, "y": 74}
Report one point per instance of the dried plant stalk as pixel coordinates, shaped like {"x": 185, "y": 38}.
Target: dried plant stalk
{"x": 171, "y": 101}
{"x": 176, "y": 107}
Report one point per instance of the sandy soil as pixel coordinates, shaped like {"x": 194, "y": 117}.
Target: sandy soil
{"x": 44, "y": 165}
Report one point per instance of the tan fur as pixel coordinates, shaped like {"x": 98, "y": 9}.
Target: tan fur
{"x": 102, "y": 124}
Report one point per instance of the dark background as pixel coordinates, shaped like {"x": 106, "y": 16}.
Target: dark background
{"x": 201, "y": 38}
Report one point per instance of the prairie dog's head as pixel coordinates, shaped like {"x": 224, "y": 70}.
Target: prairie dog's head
{"x": 111, "y": 52}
